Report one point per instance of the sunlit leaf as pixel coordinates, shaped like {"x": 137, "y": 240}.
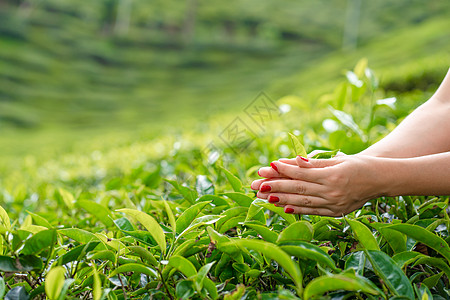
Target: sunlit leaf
{"x": 364, "y": 235}
{"x": 150, "y": 224}
{"x": 54, "y": 282}
{"x": 297, "y": 231}
{"x": 235, "y": 182}
{"x": 424, "y": 236}
{"x": 299, "y": 149}
{"x": 186, "y": 218}
{"x": 308, "y": 251}
{"x": 133, "y": 267}
{"x": 183, "y": 265}
{"x": 321, "y": 285}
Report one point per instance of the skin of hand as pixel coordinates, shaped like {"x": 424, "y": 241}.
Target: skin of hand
{"x": 329, "y": 187}
{"x": 337, "y": 186}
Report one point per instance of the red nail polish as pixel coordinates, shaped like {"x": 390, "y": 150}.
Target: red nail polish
{"x": 274, "y": 166}
{"x": 274, "y": 199}
{"x": 265, "y": 188}
{"x": 303, "y": 158}
{"x": 259, "y": 174}
{"x": 288, "y": 210}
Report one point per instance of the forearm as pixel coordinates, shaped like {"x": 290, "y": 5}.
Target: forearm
{"x": 426, "y": 175}
{"x": 423, "y": 132}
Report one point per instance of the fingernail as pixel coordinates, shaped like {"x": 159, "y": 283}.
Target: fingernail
{"x": 303, "y": 158}
{"x": 274, "y": 166}
{"x": 259, "y": 174}
{"x": 274, "y": 199}
{"x": 288, "y": 210}
{"x": 251, "y": 186}
{"x": 265, "y": 188}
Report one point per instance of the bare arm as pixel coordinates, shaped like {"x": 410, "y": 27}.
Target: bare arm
{"x": 425, "y": 131}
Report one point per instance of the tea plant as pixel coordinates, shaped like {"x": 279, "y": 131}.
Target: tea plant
{"x": 143, "y": 233}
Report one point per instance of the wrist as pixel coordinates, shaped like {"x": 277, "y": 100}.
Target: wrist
{"x": 388, "y": 175}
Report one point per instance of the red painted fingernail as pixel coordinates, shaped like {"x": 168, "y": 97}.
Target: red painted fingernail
{"x": 303, "y": 158}
{"x": 259, "y": 174}
{"x": 265, "y": 188}
{"x": 274, "y": 166}
{"x": 274, "y": 199}
{"x": 288, "y": 210}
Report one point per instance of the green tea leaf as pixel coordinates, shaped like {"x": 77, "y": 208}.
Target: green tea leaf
{"x": 298, "y": 147}
{"x": 326, "y": 154}
{"x": 67, "y": 197}
{"x": 17, "y": 293}
{"x": 266, "y": 233}
{"x": 24, "y": 263}
{"x": 54, "y": 282}
{"x": 395, "y": 239}
{"x": 77, "y": 252}
{"x": 183, "y": 265}
{"x": 405, "y": 258}
{"x": 5, "y": 223}
{"x": 278, "y": 210}
{"x": 201, "y": 275}
{"x": 436, "y": 262}
{"x": 67, "y": 283}
{"x": 235, "y": 182}
{"x": 424, "y": 236}
{"x": 97, "y": 286}
{"x": 39, "y": 242}
{"x": 144, "y": 254}
{"x": 103, "y": 255}
{"x": 150, "y": 224}
{"x": 240, "y": 198}
{"x": 231, "y": 223}
{"x": 385, "y": 267}
{"x": 133, "y": 267}
{"x": 364, "y": 235}
{"x": 308, "y": 251}
{"x": 321, "y": 285}
{"x": 186, "y": 218}
{"x": 188, "y": 194}
{"x": 79, "y": 235}
{"x": 297, "y": 231}
{"x": 273, "y": 252}
{"x": 97, "y": 210}
{"x": 169, "y": 212}
{"x": 185, "y": 289}
{"x": 2, "y": 287}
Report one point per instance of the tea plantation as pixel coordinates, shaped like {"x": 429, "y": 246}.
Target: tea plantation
{"x": 126, "y": 157}
{"x": 170, "y": 219}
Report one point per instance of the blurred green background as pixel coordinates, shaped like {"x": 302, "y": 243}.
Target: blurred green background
{"x": 76, "y": 76}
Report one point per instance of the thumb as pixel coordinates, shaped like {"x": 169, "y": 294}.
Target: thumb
{"x": 304, "y": 162}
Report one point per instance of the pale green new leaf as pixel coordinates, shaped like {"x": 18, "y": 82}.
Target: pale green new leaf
{"x": 299, "y": 149}
{"x": 150, "y": 224}
{"x": 54, "y": 282}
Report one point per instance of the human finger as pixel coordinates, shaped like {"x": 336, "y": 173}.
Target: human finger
{"x": 296, "y": 172}
{"x": 297, "y": 200}
{"x": 291, "y": 209}
{"x": 269, "y": 172}
{"x": 257, "y": 183}
{"x": 290, "y": 187}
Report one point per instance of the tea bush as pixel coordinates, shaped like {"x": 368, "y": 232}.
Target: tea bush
{"x": 167, "y": 220}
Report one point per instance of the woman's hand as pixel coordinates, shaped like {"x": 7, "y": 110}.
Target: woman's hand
{"x": 329, "y": 187}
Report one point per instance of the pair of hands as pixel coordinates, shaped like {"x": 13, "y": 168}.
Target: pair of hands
{"x": 328, "y": 187}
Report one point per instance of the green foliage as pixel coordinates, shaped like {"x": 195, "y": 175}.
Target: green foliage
{"x": 177, "y": 226}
